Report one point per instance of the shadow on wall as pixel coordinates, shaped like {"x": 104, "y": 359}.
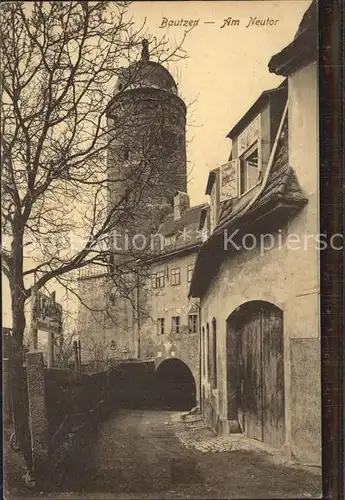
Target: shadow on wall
{"x": 175, "y": 386}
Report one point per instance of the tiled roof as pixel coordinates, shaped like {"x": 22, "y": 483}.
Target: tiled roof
{"x": 189, "y": 219}
{"x": 185, "y": 229}
{"x": 303, "y": 47}
{"x": 282, "y": 189}
{"x": 282, "y": 184}
{"x": 309, "y": 20}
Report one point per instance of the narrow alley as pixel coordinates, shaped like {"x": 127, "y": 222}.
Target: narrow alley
{"x": 138, "y": 454}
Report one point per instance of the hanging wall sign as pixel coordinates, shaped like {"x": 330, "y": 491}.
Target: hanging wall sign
{"x": 48, "y": 313}
{"x": 228, "y": 180}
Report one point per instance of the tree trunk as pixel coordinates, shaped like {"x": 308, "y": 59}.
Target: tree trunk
{"x": 18, "y": 385}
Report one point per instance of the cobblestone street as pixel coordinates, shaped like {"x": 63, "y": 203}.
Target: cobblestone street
{"x": 153, "y": 454}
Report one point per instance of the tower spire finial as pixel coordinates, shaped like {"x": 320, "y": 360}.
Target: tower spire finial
{"x": 145, "y": 56}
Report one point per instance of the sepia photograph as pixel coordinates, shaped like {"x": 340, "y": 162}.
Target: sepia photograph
{"x": 160, "y": 250}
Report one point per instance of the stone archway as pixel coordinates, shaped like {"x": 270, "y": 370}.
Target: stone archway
{"x": 176, "y": 388}
{"x": 255, "y": 371}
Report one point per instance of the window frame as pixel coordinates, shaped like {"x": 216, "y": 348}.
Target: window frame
{"x": 191, "y": 318}
{"x": 176, "y": 324}
{"x": 154, "y": 280}
{"x": 126, "y": 153}
{"x": 173, "y": 275}
{"x": 160, "y": 276}
{"x": 160, "y": 326}
{"x": 256, "y": 146}
{"x": 158, "y": 279}
{"x": 190, "y": 269}
{"x": 169, "y": 240}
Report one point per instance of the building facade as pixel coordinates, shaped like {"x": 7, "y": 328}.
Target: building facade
{"x": 171, "y": 328}
{"x": 257, "y": 275}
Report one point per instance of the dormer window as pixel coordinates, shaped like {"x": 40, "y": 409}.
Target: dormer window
{"x": 250, "y": 169}
{"x": 126, "y": 153}
{"x": 249, "y": 154}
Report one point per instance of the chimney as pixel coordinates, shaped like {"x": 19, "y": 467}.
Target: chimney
{"x": 181, "y": 203}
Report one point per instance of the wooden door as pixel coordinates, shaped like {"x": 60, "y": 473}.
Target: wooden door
{"x": 273, "y": 377}
{"x": 261, "y": 375}
{"x": 251, "y": 384}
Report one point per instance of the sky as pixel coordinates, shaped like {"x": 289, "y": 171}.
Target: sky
{"x": 226, "y": 69}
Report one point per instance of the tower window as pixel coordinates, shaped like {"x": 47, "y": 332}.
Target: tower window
{"x": 126, "y": 153}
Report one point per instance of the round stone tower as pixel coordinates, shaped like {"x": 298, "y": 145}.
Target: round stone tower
{"x": 147, "y": 127}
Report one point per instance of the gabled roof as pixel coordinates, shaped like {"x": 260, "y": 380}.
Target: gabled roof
{"x": 185, "y": 229}
{"x": 254, "y": 109}
{"x": 303, "y": 48}
{"x": 189, "y": 219}
{"x": 282, "y": 190}
{"x": 282, "y": 182}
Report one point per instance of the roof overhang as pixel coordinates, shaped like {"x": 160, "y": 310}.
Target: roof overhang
{"x": 299, "y": 53}
{"x": 303, "y": 48}
{"x": 174, "y": 252}
{"x": 210, "y": 182}
{"x": 269, "y": 217}
{"x": 258, "y": 105}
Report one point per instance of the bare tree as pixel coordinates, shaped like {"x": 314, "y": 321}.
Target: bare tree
{"x": 60, "y": 61}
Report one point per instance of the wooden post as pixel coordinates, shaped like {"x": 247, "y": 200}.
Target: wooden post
{"x": 79, "y": 354}
{"x": 75, "y": 350}
{"x": 138, "y": 309}
{"x": 50, "y": 360}
{"x": 33, "y": 336}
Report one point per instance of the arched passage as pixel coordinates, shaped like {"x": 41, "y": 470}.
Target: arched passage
{"x": 176, "y": 389}
{"x": 255, "y": 371}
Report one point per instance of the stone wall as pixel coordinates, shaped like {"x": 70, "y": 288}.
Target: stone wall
{"x": 68, "y": 393}
{"x": 64, "y": 406}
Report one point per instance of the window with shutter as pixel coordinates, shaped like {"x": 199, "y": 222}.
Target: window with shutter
{"x": 250, "y": 169}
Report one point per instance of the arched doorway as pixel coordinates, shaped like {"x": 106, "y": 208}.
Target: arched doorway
{"x": 255, "y": 371}
{"x": 176, "y": 389}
